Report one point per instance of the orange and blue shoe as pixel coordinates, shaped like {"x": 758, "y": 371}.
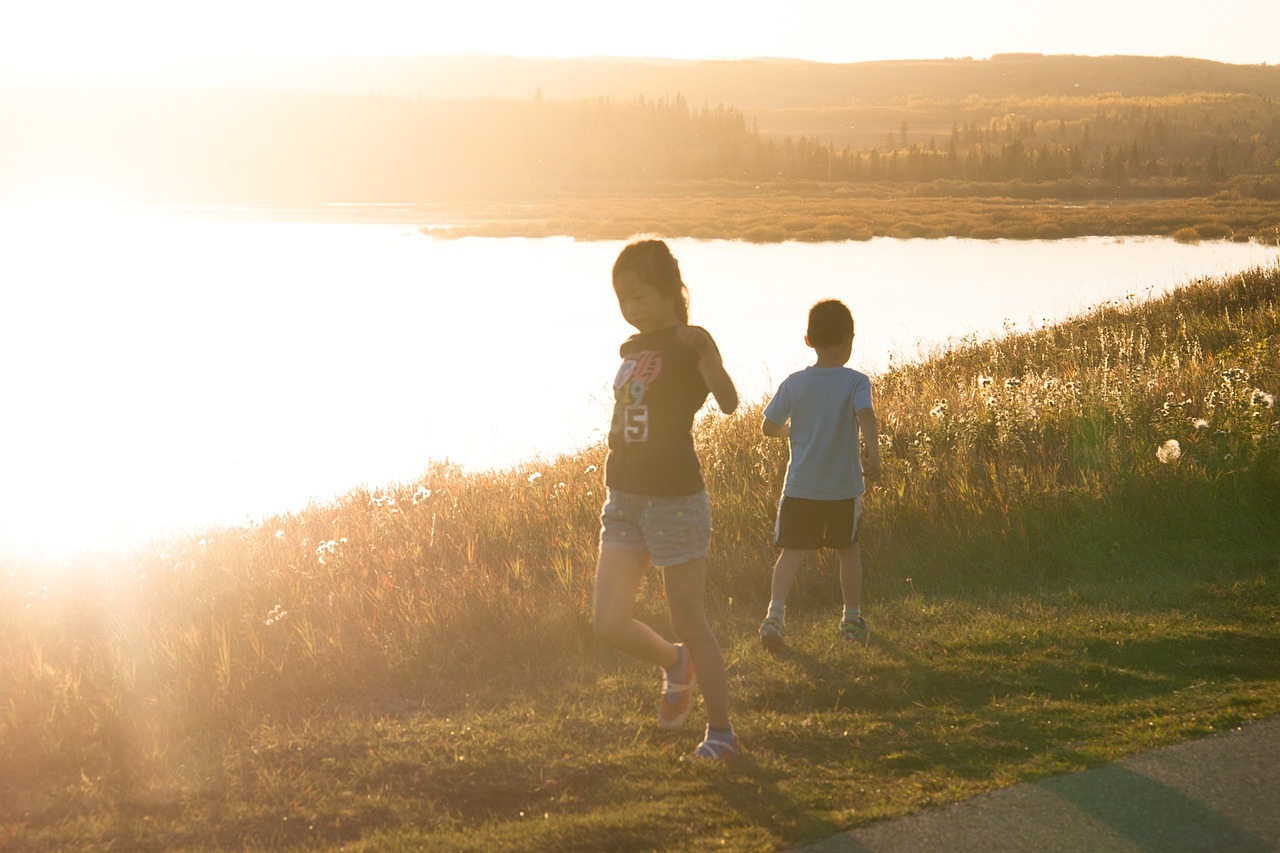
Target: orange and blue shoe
{"x": 677, "y": 691}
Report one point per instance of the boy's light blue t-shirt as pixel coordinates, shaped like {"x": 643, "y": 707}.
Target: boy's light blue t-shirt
{"x": 822, "y": 405}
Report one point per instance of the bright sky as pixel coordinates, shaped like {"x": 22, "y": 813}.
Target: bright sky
{"x": 76, "y": 40}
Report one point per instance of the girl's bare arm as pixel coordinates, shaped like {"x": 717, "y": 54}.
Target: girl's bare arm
{"x": 711, "y": 366}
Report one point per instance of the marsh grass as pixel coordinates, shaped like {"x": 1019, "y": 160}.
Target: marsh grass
{"x": 818, "y": 212}
{"x": 1049, "y": 587}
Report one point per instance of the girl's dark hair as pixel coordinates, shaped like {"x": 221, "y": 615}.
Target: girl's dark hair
{"x": 653, "y": 262}
{"x": 829, "y": 323}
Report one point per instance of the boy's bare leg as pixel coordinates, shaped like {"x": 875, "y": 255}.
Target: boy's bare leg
{"x": 784, "y": 574}
{"x": 619, "y": 575}
{"x": 686, "y": 599}
{"x": 851, "y": 577}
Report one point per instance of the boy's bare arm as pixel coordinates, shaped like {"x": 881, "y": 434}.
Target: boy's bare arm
{"x": 870, "y": 429}
{"x": 773, "y": 430}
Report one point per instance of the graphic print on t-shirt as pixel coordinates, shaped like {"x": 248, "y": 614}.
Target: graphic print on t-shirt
{"x": 637, "y": 373}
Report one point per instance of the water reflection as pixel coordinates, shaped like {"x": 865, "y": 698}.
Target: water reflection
{"x": 178, "y": 372}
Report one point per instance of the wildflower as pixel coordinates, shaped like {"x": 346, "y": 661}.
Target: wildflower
{"x": 279, "y": 534}
{"x": 276, "y": 614}
{"x": 591, "y": 469}
{"x": 1011, "y": 383}
{"x": 984, "y": 381}
{"x": 421, "y": 494}
{"x": 1170, "y": 451}
{"x": 1261, "y": 398}
{"x": 535, "y": 476}
{"x": 939, "y": 409}
{"x": 1200, "y": 424}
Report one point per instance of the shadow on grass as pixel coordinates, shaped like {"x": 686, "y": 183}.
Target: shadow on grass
{"x": 982, "y": 706}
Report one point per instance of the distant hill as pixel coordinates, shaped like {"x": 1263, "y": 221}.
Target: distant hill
{"x": 757, "y": 84}
{"x": 304, "y": 131}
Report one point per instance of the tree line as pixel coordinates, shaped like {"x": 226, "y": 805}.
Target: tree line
{"x": 297, "y": 146}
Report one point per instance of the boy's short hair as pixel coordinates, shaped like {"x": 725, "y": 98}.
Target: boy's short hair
{"x": 829, "y": 323}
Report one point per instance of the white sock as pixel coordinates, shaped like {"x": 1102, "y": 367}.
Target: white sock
{"x": 852, "y": 614}
{"x": 777, "y": 610}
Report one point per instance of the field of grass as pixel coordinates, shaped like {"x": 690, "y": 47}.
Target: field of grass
{"x": 1071, "y": 558}
{"x": 816, "y": 212}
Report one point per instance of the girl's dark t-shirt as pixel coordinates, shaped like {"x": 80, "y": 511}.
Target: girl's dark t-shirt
{"x": 657, "y": 392}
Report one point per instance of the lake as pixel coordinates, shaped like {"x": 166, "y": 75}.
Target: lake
{"x": 167, "y": 371}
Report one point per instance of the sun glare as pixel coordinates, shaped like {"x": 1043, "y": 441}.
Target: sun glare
{"x": 63, "y": 202}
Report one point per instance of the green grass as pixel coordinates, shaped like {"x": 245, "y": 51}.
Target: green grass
{"x": 414, "y": 668}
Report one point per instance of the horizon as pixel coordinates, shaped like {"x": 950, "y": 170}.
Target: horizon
{"x": 78, "y": 42}
{"x": 260, "y": 71}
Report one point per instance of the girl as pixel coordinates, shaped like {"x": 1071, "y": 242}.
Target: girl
{"x": 657, "y": 508}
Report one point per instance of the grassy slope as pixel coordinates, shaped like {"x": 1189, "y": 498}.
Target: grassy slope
{"x": 415, "y": 669}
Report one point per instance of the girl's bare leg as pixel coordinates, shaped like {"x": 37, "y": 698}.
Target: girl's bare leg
{"x": 619, "y": 575}
{"x": 686, "y": 594}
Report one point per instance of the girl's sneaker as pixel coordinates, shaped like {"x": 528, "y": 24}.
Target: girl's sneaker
{"x": 771, "y": 634}
{"x": 718, "y": 746}
{"x": 673, "y": 708}
{"x": 854, "y": 631}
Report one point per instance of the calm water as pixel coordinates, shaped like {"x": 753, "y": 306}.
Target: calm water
{"x": 162, "y": 373}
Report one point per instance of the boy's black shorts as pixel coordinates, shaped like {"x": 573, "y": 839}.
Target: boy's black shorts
{"x": 807, "y": 524}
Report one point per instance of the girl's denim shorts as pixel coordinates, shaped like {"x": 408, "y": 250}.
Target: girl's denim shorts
{"x": 673, "y": 530}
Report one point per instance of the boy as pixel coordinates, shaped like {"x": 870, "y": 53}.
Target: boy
{"x": 821, "y": 411}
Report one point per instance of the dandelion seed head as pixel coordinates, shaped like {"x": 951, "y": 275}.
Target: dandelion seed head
{"x": 1170, "y": 451}
{"x": 1200, "y": 424}
{"x": 1261, "y": 398}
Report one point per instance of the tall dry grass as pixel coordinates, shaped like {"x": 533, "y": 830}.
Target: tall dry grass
{"x": 1006, "y": 461}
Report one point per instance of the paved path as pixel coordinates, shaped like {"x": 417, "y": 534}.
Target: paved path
{"x": 1220, "y": 794}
